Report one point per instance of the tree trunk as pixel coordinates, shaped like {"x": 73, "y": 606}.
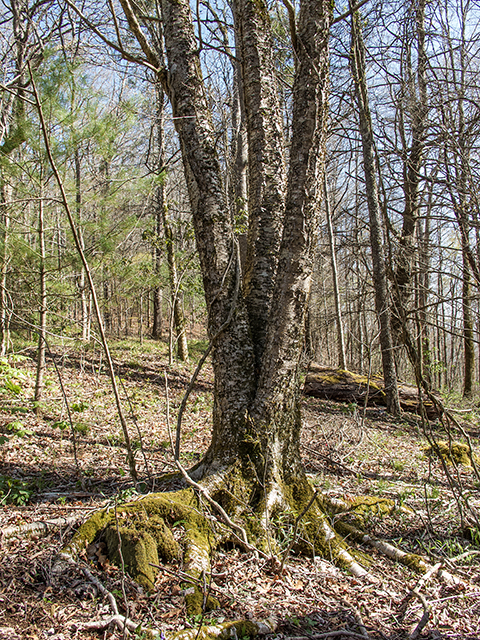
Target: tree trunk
{"x": 342, "y": 360}
{"x": 266, "y": 163}
{"x": 42, "y": 324}
{"x": 382, "y": 302}
{"x": 417, "y": 107}
{"x": 81, "y": 281}
{"x": 468, "y": 343}
{"x": 158, "y": 213}
{"x": 177, "y": 316}
{"x": 4, "y": 228}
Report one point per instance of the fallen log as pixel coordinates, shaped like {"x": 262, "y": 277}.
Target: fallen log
{"x": 346, "y": 386}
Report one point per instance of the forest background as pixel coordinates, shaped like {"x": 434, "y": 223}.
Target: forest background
{"x": 110, "y": 131}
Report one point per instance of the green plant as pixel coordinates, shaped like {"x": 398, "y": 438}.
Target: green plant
{"x": 398, "y": 465}
{"x": 61, "y": 424}
{"x": 18, "y": 429}
{"x": 10, "y": 376}
{"x": 79, "y": 407}
{"x": 81, "y": 427}
{"x": 14, "y": 491}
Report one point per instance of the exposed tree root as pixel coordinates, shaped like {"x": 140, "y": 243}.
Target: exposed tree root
{"x": 410, "y": 560}
{"x": 181, "y": 526}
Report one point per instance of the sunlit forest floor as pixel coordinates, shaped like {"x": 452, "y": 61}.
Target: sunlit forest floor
{"x": 347, "y": 452}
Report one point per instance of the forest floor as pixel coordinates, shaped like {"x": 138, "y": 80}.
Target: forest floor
{"x": 346, "y": 452}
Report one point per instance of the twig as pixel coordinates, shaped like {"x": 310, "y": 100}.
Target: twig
{"x": 358, "y": 619}
{"x": 91, "y": 284}
{"x": 424, "y": 619}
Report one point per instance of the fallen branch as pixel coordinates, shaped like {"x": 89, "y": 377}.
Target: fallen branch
{"x": 42, "y": 526}
{"x": 424, "y": 619}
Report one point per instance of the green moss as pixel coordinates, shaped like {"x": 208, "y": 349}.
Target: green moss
{"x": 196, "y": 603}
{"x": 222, "y": 631}
{"x": 342, "y": 376}
{"x": 138, "y": 550}
{"x": 414, "y": 562}
{"x": 452, "y": 452}
{"x": 372, "y": 505}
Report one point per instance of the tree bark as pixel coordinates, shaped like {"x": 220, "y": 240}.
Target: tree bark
{"x": 417, "y": 106}
{"x": 266, "y": 163}
{"x": 43, "y": 306}
{"x": 382, "y": 301}
{"x": 342, "y": 360}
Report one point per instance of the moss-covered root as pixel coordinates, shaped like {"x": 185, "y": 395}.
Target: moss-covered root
{"x": 410, "y": 560}
{"x": 361, "y": 507}
{"x": 197, "y": 556}
{"x": 138, "y": 534}
{"x": 227, "y": 630}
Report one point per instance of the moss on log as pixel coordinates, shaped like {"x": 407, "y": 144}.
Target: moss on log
{"x": 346, "y": 386}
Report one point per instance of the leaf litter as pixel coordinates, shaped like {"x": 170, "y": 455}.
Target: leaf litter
{"x": 344, "y": 453}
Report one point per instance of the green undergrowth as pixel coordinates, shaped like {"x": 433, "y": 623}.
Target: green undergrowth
{"x": 15, "y": 491}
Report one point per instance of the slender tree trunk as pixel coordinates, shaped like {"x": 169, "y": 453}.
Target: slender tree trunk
{"x": 423, "y": 294}
{"x": 42, "y": 324}
{"x": 178, "y": 317}
{"x": 4, "y": 257}
{"x": 81, "y": 283}
{"x": 468, "y": 342}
{"x": 342, "y": 360}
{"x": 158, "y": 213}
{"x": 382, "y": 302}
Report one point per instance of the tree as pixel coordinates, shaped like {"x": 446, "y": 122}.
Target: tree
{"x": 252, "y": 471}
{"x": 382, "y": 298}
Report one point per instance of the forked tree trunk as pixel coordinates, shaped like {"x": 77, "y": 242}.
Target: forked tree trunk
{"x": 253, "y": 463}
{"x": 257, "y": 339}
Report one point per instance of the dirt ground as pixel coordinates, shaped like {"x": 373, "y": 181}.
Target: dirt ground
{"x": 50, "y": 473}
